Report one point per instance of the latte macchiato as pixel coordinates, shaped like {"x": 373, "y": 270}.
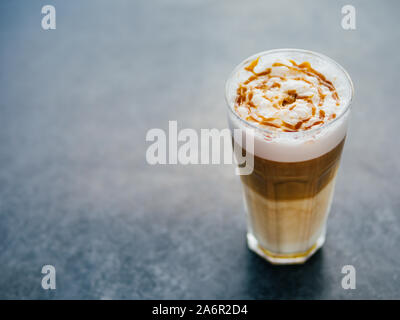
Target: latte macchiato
{"x": 295, "y": 105}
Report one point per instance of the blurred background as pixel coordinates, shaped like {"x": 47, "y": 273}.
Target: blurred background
{"x": 76, "y": 191}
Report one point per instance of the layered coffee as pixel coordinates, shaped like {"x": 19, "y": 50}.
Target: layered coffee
{"x": 294, "y": 104}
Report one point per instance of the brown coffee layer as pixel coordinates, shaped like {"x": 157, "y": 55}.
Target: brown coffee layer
{"x": 292, "y": 180}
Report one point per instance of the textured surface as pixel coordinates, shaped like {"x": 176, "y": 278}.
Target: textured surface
{"x": 76, "y": 191}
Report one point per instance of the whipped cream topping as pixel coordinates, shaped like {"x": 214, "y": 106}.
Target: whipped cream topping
{"x": 285, "y": 95}
{"x": 278, "y": 89}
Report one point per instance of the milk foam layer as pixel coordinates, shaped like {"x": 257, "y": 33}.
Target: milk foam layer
{"x": 297, "y": 102}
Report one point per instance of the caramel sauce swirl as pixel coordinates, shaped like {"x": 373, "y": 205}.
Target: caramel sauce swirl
{"x": 286, "y": 97}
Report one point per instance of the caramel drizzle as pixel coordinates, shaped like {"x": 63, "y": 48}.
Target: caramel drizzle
{"x": 244, "y": 97}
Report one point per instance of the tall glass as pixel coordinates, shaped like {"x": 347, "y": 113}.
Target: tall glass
{"x": 288, "y": 194}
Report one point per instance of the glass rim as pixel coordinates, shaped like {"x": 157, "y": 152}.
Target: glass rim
{"x": 273, "y": 132}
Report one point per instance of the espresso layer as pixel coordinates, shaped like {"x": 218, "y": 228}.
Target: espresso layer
{"x": 292, "y": 180}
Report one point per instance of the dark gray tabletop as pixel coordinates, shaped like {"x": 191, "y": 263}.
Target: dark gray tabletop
{"x": 77, "y": 193}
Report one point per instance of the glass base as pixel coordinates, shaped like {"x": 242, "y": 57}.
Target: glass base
{"x": 278, "y": 258}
